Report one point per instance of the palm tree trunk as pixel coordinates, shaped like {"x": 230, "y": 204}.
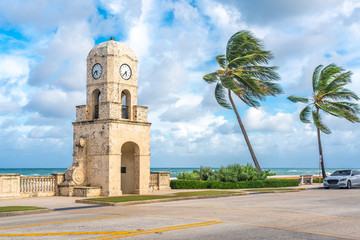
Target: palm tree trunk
{"x": 244, "y": 133}
{"x": 320, "y": 151}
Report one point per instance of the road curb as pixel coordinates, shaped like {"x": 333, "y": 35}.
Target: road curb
{"x": 18, "y": 213}
{"x": 159, "y": 200}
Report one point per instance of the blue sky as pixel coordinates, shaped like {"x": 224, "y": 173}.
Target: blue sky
{"x": 44, "y": 44}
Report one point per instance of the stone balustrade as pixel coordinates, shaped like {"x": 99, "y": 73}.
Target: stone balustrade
{"x": 37, "y": 186}
{"x": 14, "y": 185}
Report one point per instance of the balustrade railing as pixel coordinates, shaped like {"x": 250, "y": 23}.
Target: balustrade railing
{"x": 37, "y": 184}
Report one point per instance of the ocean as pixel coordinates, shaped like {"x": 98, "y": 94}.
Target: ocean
{"x": 173, "y": 171}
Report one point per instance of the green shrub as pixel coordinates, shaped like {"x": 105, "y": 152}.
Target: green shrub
{"x": 231, "y": 173}
{"x": 207, "y": 174}
{"x": 236, "y": 173}
{"x": 188, "y": 175}
{"x": 187, "y": 184}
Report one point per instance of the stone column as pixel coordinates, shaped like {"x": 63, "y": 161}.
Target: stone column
{"x": 59, "y": 178}
{"x": 9, "y": 185}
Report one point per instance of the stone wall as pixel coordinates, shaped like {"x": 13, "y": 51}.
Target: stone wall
{"x": 159, "y": 181}
{"x": 9, "y": 185}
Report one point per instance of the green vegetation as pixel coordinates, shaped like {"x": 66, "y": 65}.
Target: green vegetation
{"x": 243, "y": 73}
{"x": 267, "y": 183}
{"x": 151, "y": 197}
{"x": 319, "y": 180}
{"x": 329, "y": 97}
{"x": 18, "y": 208}
{"x": 231, "y": 173}
{"x": 271, "y": 189}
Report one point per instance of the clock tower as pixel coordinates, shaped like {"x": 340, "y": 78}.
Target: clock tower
{"x": 111, "y": 150}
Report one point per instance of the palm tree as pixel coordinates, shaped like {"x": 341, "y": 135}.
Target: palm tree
{"x": 243, "y": 73}
{"x": 330, "y": 97}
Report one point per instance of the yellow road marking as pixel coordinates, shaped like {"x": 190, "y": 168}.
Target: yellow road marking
{"x": 114, "y": 234}
{"x": 60, "y": 222}
{"x": 60, "y": 234}
{"x": 159, "y": 230}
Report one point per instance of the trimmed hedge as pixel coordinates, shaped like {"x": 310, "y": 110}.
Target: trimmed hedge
{"x": 195, "y": 184}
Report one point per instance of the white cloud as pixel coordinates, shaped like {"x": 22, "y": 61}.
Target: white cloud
{"x": 259, "y": 120}
{"x": 55, "y": 102}
{"x": 43, "y": 69}
{"x": 62, "y": 62}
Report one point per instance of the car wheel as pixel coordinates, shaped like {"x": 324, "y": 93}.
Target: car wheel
{"x": 348, "y": 185}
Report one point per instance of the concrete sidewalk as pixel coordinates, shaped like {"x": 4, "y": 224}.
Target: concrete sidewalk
{"x": 59, "y": 203}
{"x": 46, "y": 202}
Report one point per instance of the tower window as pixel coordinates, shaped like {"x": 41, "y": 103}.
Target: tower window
{"x": 125, "y": 108}
{"x": 96, "y": 97}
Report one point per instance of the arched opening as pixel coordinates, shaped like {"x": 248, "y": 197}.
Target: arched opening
{"x": 126, "y": 103}
{"x": 129, "y": 165}
{"x": 96, "y": 99}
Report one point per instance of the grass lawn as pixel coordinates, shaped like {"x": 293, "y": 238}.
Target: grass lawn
{"x": 150, "y": 197}
{"x": 18, "y": 208}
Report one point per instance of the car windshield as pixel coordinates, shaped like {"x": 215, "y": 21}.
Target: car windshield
{"x": 341, "y": 173}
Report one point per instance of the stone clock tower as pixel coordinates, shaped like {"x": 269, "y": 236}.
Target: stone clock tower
{"x": 111, "y": 133}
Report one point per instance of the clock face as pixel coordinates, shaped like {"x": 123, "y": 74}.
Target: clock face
{"x": 125, "y": 71}
{"x": 96, "y": 71}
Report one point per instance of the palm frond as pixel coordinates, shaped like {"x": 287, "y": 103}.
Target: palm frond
{"x": 341, "y": 94}
{"x": 244, "y": 43}
{"x": 211, "y": 77}
{"x": 338, "y": 81}
{"x": 262, "y": 72}
{"x": 315, "y": 77}
{"x": 340, "y": 110}
{"x": 298, "y": 99}
{"x": 221, "y": 60}
{"x": 220, "y": 96}
{"x": 326, "y": 74}
{"x": 305, "y": 114}
{"x": 228, "y": 82}
{"x": 352, "y": 107}
{"x": 247, "y": 82}
{"x": 270, "y": 88}
{"x": 250, "y": 100}
{"x": 319, "y": 124}
{"x": 251, "y": 58}
{"x": 240, "y": 41}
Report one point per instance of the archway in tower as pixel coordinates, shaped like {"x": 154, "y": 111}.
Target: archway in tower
{"x": 129, "y": 167}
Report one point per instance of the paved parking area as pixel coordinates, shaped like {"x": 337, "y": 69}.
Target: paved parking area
{"x": 310, "y": 214}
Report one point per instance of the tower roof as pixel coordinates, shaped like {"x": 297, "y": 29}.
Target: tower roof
{"x": 112, "y": 47}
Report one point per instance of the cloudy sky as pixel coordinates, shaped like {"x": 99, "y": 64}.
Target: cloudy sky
{"x": 44, "y": 44}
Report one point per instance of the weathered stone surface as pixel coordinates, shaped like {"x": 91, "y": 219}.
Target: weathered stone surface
{"x": 114, "y": 154}
{"x": 86, "y": 191}
{"x": 9, "y": 185}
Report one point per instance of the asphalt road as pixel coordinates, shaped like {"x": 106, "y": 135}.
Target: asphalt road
{"x": 310, "y": 214}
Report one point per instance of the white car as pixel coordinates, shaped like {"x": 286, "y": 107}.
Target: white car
{"x": 343, "y": 179}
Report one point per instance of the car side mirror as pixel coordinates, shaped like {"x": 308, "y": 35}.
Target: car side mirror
{"x": 353, "y": 174}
